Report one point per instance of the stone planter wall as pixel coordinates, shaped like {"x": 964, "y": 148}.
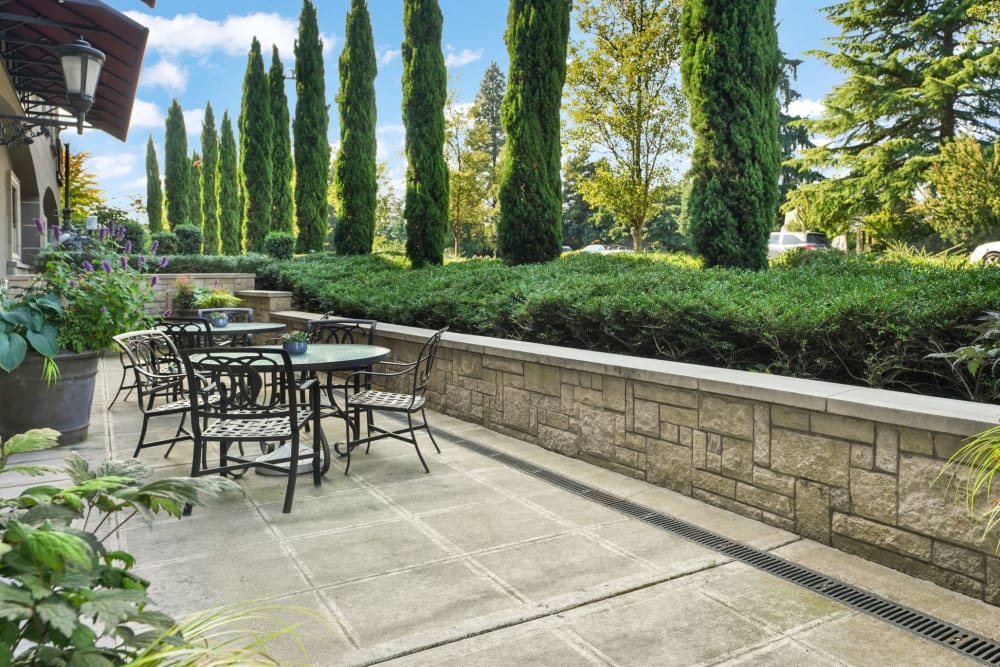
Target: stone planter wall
{"x": 846, "y": 466}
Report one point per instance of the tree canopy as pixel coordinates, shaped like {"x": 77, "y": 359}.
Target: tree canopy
{"x": 256, "y": 132}
{"x": 309, "y": 129}
{"x": 176, "y": 168}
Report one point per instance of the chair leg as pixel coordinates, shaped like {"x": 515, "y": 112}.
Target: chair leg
{"x": 293, "y": 471}
{"x": 428, "y": 428}
{"x": 177, "y": 435}
{"x": 413, "y": 435}
{"x": 121, "y": 385}
{"x": 142, "y": 435}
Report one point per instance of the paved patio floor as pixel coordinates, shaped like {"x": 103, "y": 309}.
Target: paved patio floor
{"x": 478, "y": 563}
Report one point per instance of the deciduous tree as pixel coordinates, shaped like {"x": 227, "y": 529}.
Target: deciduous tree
{"x": 530, "y": 228}
{"x": 312, "y": 149}
{"x": 468, "y": 171}
{"x": 424, "y": 95}
{"x": 256, "y": 130}
{"x": 84, "y": 194}
{"x": 729, "y": 67}
{"x": 355, "y": 166}
{"x": 626, "y": 104}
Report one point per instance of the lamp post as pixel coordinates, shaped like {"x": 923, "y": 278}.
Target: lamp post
{"x": 81, "y": 65}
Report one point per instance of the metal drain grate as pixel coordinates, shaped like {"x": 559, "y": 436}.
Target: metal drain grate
{"x": 933, "y": 629}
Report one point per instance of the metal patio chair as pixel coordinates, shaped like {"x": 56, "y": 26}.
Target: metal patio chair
{"x": 186, "y": 332}
{"x": 233, "y": 315}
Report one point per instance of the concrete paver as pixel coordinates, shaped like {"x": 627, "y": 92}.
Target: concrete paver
{"x": 477, "y": 563}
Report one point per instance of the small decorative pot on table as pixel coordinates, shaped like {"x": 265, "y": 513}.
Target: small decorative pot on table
{"x": 218, "y": 320}
{"x": 295, "y": 342}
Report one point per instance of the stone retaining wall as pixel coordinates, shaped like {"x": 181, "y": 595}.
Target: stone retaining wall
{"x": 846, "y": 466}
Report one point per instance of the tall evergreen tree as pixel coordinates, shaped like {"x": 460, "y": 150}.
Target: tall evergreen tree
{"x": 424, "y": 95}
{"x": 209, "y": 178}
{"x": 917, "y": 74}
{"x": 281, "y": 149}
{"x": 154, "y": 189}
{"x": 310, "y": 127}
{"x": 256, "y": 129}
{"x": 355, "y": 166}
{"x": 194, "y": 205}
{"x": 487, "y": 136}
{"x": 730, "y": 65}
{"x": 530, "y": 227}
{"x": 228, "y": 191}
{"x": 176, "y": 168}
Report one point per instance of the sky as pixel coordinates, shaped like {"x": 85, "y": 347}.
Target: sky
{"x": 197, "y": 53}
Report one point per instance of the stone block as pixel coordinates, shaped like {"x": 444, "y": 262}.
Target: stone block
{"x": 542, "y": 379}
{"x": 679, "y": 416}
{"x": 570, "y": 377}
{"x": 611, "y": 465}
{"x": 946, "y": 444}
{"x": 725, "y": 415}
{"x": 682, "y": 398}
{"x": 558, "y": 440}
{"x": 965, "y": 561}
{"x": 768, "y": 501}
{"x": 862, "y": 456}
{"x": 628, "y": 457}
{"x": 992, "y": 588}
{"x": 635, "y": 442}
{"x": 713, "y": 462}
{"x": 886, "y": 448}
{"x": 714, "y": 443}
{"x": 503, "y": 364}
{"x": 812, "y": 511}
{"x": 589, "y": 397}
{"x": 685, "y": 436}
{"x": 716, "y": 484}
{"x": 762, "y": 434}
{"x": 698, "y": 448}
{"x": 559, "y": 420}
{"x": 727, "y": 504}
{"x": 882, "y": 536}
{"x": 772, "y": 481}
{"x": 669, "y": 432}
{"x": 468, "y": 364}
{"x": 614, "y": 393}
{"x": 517, "y": 410}
{"x": 668, "y": 465}
{"x": 848, "y": 428}
{"x": 873, "y": 495}
{"x": 814, "y": 457}
{"x": 933, "y": 511}
{"x": 916, "y": 441}
{"x": 598, "y": 429}
{"x": 782, "y": 522}
{"x": 786, "y": 417}
{"x": 646, "y": 418}
{"x": 737, "y": 459}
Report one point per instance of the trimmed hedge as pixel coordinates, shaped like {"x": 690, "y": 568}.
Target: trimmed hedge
{"x": 858, "y": 320}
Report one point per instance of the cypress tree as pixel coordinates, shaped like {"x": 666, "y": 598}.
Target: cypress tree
{"x": 281, "y": 150}
{"x": 176, "y": 170}
{"x": 355, "y": 165}
{"x": 154, "y": 190}
{"x": 194, "y": 190}
{"x": 209, "y": 173}
{"x": 424, "y": 95}
{"x": 230, "y": 207}
{"x": 256, "y": 128}
{"x": 530, "y": 225}
{"x": 310, "y": 127}
{"x": 730, "y": 66}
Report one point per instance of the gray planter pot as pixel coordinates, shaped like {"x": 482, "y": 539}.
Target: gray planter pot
{"x": 28, "y": 402}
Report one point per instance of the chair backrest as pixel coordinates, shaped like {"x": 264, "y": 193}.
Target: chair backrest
{"x": 153, "y": 359}
{"x": 232, "y": 314}
{"x": 186, "y": 332}
{"x": 425, "y": 363}
{"x": 342, "y": 330}
{"x": 246, "y": 383}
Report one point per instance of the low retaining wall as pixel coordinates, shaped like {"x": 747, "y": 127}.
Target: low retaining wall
{"x": 846, "y": 466}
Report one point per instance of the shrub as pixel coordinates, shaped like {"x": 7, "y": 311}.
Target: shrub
{"x": 280, "y": 245}
{"x": 189, "y": 239}
{"x": 136, "y": 233}
{"x": 164, "y": 242}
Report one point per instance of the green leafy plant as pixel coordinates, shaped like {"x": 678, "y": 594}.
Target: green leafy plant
{"x": 189, "y": 296}
{"x": 280, "y": 245}
{"x": 65, "y": 598}
{"x": 295, "y": 336}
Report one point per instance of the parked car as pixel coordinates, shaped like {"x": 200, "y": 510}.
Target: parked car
{"x": 987, "y": 253}
{"x": 779, "y": 242}
{"x": 605, "y": 249}
{"x": 594, "y": 247}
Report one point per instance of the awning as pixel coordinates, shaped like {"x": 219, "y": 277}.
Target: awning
{"x": 32, "y": 30}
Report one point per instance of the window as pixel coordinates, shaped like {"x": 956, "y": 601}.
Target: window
{"x": 14, "y": 215}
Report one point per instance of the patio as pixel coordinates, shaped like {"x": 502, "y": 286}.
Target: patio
{"x": 480, "y": 563}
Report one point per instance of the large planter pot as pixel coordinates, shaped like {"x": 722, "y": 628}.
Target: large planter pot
{"x": 29, "y": 402}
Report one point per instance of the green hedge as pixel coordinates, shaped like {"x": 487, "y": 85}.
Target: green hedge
{"x": 858, "y": 320}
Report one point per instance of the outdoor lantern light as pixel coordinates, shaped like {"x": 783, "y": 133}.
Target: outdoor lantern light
{"x": 81, "y": 65}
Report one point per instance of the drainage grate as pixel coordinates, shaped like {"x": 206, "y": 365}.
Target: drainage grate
{"x": 930, "y": 628}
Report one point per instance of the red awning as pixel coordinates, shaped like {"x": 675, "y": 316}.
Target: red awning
{"x": 32, "y": 30}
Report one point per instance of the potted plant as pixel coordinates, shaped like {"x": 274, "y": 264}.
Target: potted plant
{"x": 295, "y": 342}
{"x": 189, "y": 298}
{"x": 218, "y": 319}
{"x": 52, "y": 332}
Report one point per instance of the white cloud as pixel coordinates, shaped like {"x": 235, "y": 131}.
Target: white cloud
{"x": 147, "y": 114}
{"x": 806, "y": 108}
{"x": 191, "y": 34}
{"x": 389, "y": 142}
{"x": 460, "y": 58}
{"x": 165, "y": 74}
{"x": 112, "y": 165}
{"x": 388, "y": 55}
{"x": 192, "y": 122}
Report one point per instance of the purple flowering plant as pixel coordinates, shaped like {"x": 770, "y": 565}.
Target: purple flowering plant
{"x": 77, "y": 303}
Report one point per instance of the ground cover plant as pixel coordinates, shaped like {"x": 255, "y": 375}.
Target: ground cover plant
{"x": 862, "y": 320}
